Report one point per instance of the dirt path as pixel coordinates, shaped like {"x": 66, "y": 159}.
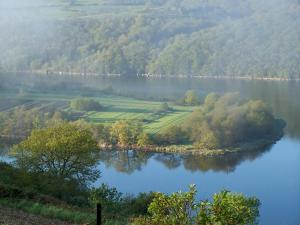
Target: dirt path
{"x": 17, "y": 217}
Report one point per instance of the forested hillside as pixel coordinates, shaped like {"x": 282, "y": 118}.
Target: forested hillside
{"x": 167, "y": 37}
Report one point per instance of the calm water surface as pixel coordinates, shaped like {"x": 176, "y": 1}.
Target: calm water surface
{"x": 272, "y": 174}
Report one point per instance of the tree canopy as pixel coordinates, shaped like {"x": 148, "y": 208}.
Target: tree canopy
{"x": 183, "y": 37}
{"x": 65, "y": 150}
{"x": 224, "y": 121}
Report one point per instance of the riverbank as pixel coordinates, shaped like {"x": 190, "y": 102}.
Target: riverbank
{"x": 192, "y": 150}
{"x": 151, "y": 76}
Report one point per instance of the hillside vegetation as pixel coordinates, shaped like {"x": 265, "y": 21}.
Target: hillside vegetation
{"x": 164, "y": 37}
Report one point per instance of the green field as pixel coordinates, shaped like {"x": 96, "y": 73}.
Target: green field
{"x": 115, "y": 108}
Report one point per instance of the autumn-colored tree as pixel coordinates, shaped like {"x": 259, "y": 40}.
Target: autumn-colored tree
{"x": 125, "y": 132}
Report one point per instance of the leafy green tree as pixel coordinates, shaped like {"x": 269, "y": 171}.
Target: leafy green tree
{"x": 65, "y": 150}
{"x": 144, "y": 140}
{"x": 208, "y": 139}
{"x": 234, "y": 209}
{"x": 125, "y": 132}
{"x": 191, "y": 98}
{"x": 174, "y": 209}
{"x": 100, "y": 133}
{"x": 210, "y": 101}
{"x": 21, "y": 121}
{"x": 173, "y": 135}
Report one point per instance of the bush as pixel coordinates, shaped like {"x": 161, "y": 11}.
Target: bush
{"x": 164, "y": 107}
{"x": 115, "y": 204}
{"x": 144, "y": 140}
{"x": 82, "y": 104}
{"x": 109, "y": 198}
{"x": 138, "y": 205}
{"x": 172, "y": 135}
{"x": 181, "y": 208}
{"x": 17, "y": 183}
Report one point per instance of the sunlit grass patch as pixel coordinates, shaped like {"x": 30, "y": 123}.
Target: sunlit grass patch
{"x": 114, "y": 108}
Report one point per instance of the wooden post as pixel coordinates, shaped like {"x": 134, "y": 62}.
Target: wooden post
{"x": 99, "y": 214}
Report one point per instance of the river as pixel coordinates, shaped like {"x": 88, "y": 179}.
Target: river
{"x": 272, "y": 174}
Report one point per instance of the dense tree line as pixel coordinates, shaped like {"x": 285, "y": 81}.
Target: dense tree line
{"x": 189, "y": 37}
{"x": 224, "y": 121}
{"x": 19, "y": 122}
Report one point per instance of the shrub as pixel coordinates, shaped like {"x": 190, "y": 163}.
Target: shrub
{"x": 172, "y": 135}
{"x": 181, "y": 208}
{"x": 82, "y": 104}
{"x": 164, "y": 107}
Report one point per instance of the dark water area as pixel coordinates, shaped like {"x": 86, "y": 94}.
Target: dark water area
{"x": 271, "y": 174}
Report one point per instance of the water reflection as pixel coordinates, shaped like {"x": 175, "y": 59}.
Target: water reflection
{"x": 227, "y": 163}
{"x": 130, "y": 160}
{"x": 125, "y": 161}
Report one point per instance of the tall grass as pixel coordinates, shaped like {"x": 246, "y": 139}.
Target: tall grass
{"x": 51, "y": 211}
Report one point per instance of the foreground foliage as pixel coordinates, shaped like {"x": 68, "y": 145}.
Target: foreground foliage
{"x": 40, "y": 194}
{"x": 181, "y": 208}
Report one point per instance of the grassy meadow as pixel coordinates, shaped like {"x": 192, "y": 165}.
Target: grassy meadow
{"x": 114, "y": 108}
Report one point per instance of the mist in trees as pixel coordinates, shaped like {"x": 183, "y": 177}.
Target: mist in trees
{"x": 186, "y": 37}
{"x": 224, "y": 121}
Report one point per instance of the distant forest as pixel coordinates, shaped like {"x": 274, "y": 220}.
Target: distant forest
{"x": 168, "y": 37}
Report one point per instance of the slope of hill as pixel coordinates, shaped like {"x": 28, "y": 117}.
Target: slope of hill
{"x": 168, "y": 37}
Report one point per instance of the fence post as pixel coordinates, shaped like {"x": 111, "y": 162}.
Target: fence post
{"x": 99, "y": 214}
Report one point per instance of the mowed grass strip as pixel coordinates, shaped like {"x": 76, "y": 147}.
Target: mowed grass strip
{"x": 115, "y": 108}
{"x": 174, "y": 118}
